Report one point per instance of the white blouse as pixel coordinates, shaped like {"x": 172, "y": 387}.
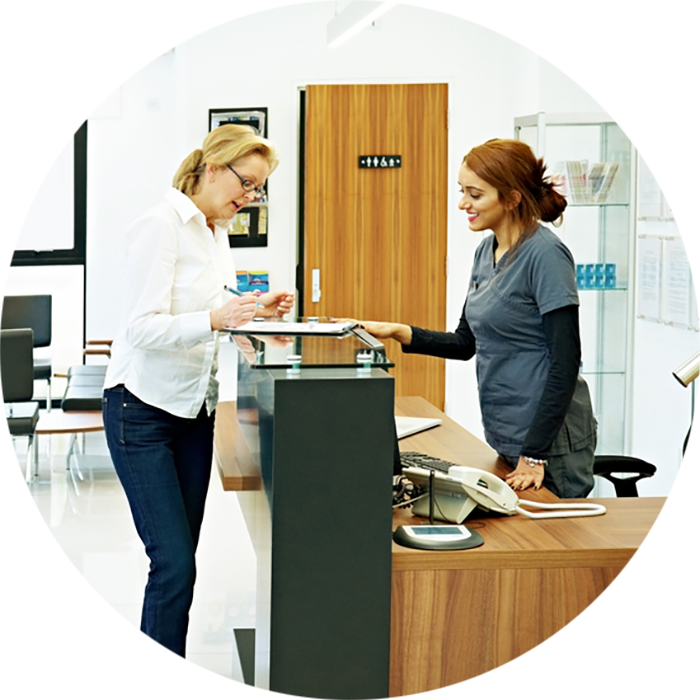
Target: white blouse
{"x": 175, "y": 271}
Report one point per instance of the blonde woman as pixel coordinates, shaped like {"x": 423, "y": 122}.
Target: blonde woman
{"x": 161, "y": 388}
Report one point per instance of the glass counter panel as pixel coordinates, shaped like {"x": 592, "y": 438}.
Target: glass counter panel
{"x": 273, "y": 352}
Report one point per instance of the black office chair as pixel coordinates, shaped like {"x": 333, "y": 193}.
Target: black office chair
{"x": 17, "y": 369}
{"x": 623, "y": 472}
{"x": 32, "y": 312}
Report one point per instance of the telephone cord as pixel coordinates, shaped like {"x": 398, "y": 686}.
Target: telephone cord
{"x": 564, "y": 509}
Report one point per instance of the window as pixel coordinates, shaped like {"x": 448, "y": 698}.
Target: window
{"x": 65, "y": 199}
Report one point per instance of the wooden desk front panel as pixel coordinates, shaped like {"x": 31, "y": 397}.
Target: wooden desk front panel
{"x": 451, "y": 625}
{"x": 456, "y": 615}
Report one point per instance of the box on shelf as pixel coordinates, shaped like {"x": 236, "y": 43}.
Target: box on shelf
{"x": 242, "y": 277}
{"x": 596, "y": 276}
{"x": 259, "y": 281}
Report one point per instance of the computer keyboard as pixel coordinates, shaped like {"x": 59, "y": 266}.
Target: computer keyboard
{"x": 418, "y": 459}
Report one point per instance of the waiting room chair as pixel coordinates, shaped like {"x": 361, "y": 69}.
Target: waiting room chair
{"x": 17, "y": 369}
{"x": 623, "y": 472}
{"x": 32, "y": 311}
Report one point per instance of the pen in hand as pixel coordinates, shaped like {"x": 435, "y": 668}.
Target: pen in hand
{"x": 239, "y": 294}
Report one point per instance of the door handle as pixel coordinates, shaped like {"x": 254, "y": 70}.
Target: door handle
{"x": 315, "y": 285}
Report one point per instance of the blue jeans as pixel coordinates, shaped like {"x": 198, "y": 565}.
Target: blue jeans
{"x": 163, "y": 463}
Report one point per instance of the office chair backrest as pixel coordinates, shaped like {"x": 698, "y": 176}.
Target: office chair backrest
{"x": 17, "y": 364}
{"x": 623, "y": 472}
{"x": 33, "y": 311}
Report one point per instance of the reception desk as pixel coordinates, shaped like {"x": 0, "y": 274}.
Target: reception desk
{"x": 314, "y": 444}
{"x": 589, "y": 608}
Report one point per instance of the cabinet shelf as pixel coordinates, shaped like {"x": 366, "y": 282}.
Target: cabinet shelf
{"x": 603, "y": 289}
{"x": 597, "y": 204}
{"x": 669, "y": 218}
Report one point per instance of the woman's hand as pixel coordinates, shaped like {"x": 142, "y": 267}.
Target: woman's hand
{"x": 275, "y": 341}
{"x": 383, "y": 330}
{"x": 246, "y": 347}
{"x": 276, "y": 304}
{"x": 524, "y": 476}
{"x": 235, "y": 312}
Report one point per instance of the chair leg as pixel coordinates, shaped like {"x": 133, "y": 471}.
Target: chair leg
{"x": 71, "y": 447}
{"x": 8, "y": 446}
{"x": 36, "y": 455}
{"x": 48, "y": 395}
{"x": 74, "y": 470}
{"x": 28, "y": 463}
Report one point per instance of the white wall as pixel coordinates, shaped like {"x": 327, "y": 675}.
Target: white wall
{"x": 140, "y": 134}
{"x": 662, "y": 406}
{"x": 491, "y": 80}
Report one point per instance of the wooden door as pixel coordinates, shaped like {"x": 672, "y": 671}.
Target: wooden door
{"x": 378, "y": 236}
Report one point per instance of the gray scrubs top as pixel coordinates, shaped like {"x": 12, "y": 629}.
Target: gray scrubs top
{"x": 504, "y": 309}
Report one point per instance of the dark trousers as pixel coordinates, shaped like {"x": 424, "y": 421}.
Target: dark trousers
{"x": 569, "y": 475}
{"x": 163, "y": 463}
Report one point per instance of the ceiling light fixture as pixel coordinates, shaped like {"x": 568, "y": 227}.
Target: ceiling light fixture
{"x": 353, "y": 19}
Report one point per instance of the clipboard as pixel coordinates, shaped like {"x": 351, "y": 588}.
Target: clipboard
{"x": 284, "y": 328}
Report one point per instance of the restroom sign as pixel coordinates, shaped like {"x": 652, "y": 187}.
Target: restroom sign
{"x": 379, "y": 162}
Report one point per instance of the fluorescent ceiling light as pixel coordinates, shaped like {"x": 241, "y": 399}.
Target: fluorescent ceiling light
{"x": 353, "y": 19}
{"x": 361, "y": 13}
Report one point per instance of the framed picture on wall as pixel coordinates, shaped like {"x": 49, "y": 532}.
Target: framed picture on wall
{"x": 248, "y": 227}
{"x": 255, "y": 117}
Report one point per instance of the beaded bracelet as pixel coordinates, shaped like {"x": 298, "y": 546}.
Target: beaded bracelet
{"x": 531, "y": 462}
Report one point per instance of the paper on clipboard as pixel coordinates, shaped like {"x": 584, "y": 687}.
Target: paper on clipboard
{"x": 406, "y": 426}
{"x": 291, "y": 328}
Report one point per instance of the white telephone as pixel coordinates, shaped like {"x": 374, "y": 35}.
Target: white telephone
{"x": 462, "y": 489}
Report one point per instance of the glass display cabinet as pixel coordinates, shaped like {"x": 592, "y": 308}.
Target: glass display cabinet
{"x": 598, "y": 163}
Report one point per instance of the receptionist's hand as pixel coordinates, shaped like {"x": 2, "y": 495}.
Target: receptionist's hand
{"x": 524, "y": 476}
{"x": 388, "y": 331}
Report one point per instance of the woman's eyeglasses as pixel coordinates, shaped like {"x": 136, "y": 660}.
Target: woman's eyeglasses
{"x": 248, "y": 185}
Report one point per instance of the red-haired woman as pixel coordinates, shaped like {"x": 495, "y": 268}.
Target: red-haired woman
{"x": 520, "y": 319}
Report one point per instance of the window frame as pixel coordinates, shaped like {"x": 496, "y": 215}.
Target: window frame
{"x": 76, "y": 254}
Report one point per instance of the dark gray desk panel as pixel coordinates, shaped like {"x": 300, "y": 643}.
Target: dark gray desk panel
{"x": 325, "y": 448}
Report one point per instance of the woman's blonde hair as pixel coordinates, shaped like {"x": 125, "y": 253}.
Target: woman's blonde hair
{"x": 225, "y": 144}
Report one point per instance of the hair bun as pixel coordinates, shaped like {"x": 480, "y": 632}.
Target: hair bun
{"x": 188, "y": 173}
{"x": 196, "y": 158}
{"x": 553, "y": 202}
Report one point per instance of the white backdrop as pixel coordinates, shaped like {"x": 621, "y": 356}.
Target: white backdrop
{"x": 139, "y": 135}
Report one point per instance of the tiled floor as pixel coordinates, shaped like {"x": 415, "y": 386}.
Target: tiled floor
{"x": 90, "y": 520}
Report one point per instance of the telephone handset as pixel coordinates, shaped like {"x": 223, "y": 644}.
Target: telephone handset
{"x": 462, "y": 489}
